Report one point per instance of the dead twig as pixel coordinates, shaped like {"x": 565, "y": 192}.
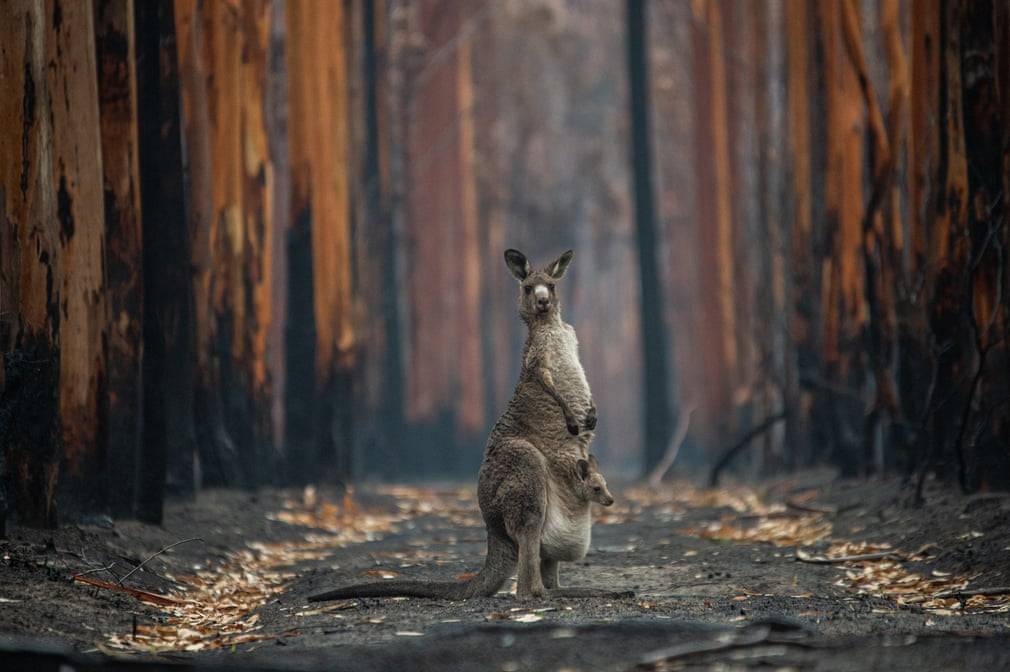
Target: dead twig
{"x": 673, "y": 449}
{"x": 154, "y": 555}
{"x": 100, "y": 569}
{"x": 142, "y": 595}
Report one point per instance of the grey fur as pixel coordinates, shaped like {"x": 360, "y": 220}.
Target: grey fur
{"x": 537, "y": 479}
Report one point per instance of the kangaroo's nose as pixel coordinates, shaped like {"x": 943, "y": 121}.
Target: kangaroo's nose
{"x": 543, "y": 302}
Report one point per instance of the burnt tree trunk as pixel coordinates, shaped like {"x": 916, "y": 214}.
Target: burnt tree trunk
{"x": 77, "y": 178}
{"x": 169, "y": 435}
{"x": 655, "y": 372}
{"x": 117, "y": 91}
{"x": 219, "y": 460}
{"x": 321, "y": 338}
{"x": 29, "y": 258}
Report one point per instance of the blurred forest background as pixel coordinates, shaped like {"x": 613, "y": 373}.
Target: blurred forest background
{"x": 260, "y": 242}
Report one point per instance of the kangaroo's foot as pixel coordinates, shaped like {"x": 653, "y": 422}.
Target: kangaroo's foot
{"x": 531, "y": 593}
{"x": 577, "y": 592}
{"x": 591, "y": 418}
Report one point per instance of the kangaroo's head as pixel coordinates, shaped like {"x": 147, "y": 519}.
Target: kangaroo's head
{"x": 538, "y": 294}
{"x": 594, "y": 486}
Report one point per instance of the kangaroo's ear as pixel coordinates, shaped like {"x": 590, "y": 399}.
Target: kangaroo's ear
{"x": 593, "y": 464}
{"x": 517, "y": 263}
{"x": 583, "y": 467}
{"x": 556, "y": 268}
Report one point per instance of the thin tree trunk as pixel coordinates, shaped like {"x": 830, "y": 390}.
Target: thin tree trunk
{"x": 29, "y": 266}
{"x": 655, "y": 372}
{"x": 469, "y": 356}
{"x": 169, "y": 437}
{"x": 77, "y": 177}
{"x": 217, "y": 451}
{"x": 320, "y": 214}
{"x": 802, "y": 320}
{"x": 117, "y": 91}
{"x": 712, "y": 157}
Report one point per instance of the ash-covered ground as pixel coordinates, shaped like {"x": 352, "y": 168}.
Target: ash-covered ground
{"x": 715, "y": 573}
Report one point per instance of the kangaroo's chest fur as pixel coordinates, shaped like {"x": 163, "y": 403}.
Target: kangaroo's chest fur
{"x": 567, "y": 528}
{"x": 560, "y": 346}
{"x": 535, "y": 415}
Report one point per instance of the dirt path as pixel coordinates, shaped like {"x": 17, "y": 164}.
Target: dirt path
{"x": 715, "y": 575}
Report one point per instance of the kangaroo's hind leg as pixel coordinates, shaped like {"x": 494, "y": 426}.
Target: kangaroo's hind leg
{"x": 549, "y": 573}
{"x": 512, "y": 489}
{"x": 529, "y": 583}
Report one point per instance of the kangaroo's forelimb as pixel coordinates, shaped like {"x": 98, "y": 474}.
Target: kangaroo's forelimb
{"x": 544, "y": 377}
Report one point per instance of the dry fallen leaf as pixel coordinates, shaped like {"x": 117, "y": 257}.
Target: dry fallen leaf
{"x": 216, "y": 608}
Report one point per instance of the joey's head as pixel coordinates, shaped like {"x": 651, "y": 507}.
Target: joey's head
{"x": 539, "y": 298}
{"x": 594, "y": 486}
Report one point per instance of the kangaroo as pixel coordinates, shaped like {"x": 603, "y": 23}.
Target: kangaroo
{"x": 532, "y": 485}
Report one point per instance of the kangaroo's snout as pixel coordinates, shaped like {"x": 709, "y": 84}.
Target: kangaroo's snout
{"x": 542, "y": 297}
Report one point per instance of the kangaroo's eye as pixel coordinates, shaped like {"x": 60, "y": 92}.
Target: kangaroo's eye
{"x": 527, "y": 289}
{"x": 597, "y": 488}
{"x": 550, "y": 286}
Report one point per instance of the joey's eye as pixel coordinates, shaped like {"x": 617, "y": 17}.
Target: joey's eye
{"x": 528, "y": 289}
{"x": 550, "y": 286}
{"x": 597, "y": 488}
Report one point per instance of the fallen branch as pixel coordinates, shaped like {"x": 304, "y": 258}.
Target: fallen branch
{"x": 984, "y": 592}
{"x": 744, "y": 441}
{"x": 154, "y": 555}
{"x": 673, "y": 448}
{"x": 142, "y": 595}
{"x": 803, "y": 556}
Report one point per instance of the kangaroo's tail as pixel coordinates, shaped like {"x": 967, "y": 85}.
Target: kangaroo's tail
{"x": 498, "y": 567}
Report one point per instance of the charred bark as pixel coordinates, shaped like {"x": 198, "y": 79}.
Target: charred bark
{"x": 117, "y": 91}
{"x": 655, "y": 371}
{"x": 169, "y": 436}
{"x": 29, "y": 256}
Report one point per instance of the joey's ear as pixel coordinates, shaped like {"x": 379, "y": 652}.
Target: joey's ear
{"x": 517, "y": 263}
{"x": 593, "y": 464}
{"x": 583, "y": 467}
{"x": 556, "y": 268}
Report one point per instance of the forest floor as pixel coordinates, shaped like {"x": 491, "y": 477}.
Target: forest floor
{"x": 717, "y": 577}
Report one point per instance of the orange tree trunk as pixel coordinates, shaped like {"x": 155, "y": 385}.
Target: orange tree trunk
{"x": 321, "y": 338}
{"x": 218, "y": 454}
{"x": 77, "y": 178}
{"x": 29, "y": 258}
{"x": 235, "y": 49}
{"x": 716, "y": 337}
